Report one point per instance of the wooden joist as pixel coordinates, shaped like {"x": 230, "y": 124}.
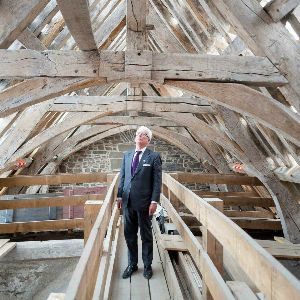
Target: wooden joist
{"x": 24, "y": 180}
{"x": 216, "y": 178}
{"x": 148, "y": 66}
{"x": 36, "y": 226}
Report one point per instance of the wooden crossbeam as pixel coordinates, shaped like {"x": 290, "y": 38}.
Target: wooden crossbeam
{"x": 147, "y": 66}
{"x": 36, "y": 226}
{"x": 48, "y": 201}
{"x": 216, "y": 178}
{"x": 52, "y": 179}
{"x": 137, "y": 105}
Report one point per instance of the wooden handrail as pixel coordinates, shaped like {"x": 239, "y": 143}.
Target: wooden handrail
{"x": 83, "y": 280}
{"x": 210, "y": 274}
{"x": 275, "y": 281}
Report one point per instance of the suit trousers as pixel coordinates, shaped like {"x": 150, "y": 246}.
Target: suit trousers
{"x": 133, "y": 219}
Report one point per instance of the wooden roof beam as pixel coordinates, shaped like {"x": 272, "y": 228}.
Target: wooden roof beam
{"x": 77, "y": 18}
{"x": 15, "y": 16}
{"x": 143, "y": 66}
{"x": 245, "y": 100}
{"x": 278, "y": 9}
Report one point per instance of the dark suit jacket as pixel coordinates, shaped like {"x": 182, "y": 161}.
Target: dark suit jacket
{"x": 145, "y": 185}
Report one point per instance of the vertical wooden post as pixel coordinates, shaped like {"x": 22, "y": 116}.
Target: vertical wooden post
{"x": 91, "y": 210}
{"x": 213, "y": 248}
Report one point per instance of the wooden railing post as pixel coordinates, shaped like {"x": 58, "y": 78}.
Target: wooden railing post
{"x": 91, "y": 210}
{"x": 211, "y": 245}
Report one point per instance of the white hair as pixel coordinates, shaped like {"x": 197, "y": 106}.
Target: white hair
{"x": 146, "y": 130}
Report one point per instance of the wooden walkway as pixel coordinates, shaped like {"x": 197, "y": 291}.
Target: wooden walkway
{"x": 137, "y": 287}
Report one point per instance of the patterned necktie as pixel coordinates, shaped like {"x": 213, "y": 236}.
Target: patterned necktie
{"x": 135, "y": 162}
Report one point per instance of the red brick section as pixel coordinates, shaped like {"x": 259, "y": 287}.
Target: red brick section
{"x": 72, "y": 212}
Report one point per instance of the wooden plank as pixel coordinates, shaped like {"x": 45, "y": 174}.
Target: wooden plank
{"x": 3, "y": 242}
{"x": 257, "y": 262}
{"x": 51, "y": 63}
{"x": 213, "y": 248}
{"x": 56, "y": 296}
{"x": 158, "y": 284}
{"x": 15, "y": 16}
{"x": 255, "y": 223}
{"x": 120, "y": 286}
{"x": 48, "y": 201}
{"x": 210, "y": 275}
{"x": 278, "y": 9}
{"x": 35, "y": 226}
{"x": 112, "y": 265}
{"x": 247, "y": 201}
{"x": 241, "y": 290}
{"x": 77, "y": 17}
{"x": 139, "y": 287}
{"x": 91, "y": 210}
{"x": 112, "y": 230}
{"x": 24, "y": 180}
{"x": 216, "y": 178}
{"x": 281, "y": 250}
{"x": 7, "y": 248}
{"x": 249, "y": 214}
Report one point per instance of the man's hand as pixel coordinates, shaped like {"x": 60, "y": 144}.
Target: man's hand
{"x": 119, "y": 203}
{"x": 152, "y": 208}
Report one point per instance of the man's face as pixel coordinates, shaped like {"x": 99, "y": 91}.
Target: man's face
{"x": 141, "y": 139}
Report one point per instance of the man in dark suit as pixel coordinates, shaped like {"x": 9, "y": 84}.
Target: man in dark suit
{"x": 138, "y": 194}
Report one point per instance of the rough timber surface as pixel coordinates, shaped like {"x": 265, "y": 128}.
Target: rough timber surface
{"x": 137, "y": 287}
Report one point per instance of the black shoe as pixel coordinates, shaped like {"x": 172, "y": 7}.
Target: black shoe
{"x": 129, "y": 270}
{"x": 148, "y": 272}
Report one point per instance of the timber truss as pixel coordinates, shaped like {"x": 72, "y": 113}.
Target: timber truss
{"x": 218, "y": 79}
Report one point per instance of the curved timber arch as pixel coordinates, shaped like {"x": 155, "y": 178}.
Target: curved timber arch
{"x": 250, "y": 102}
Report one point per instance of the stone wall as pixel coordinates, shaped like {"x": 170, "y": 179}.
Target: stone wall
{"x": 106, "y": 156}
